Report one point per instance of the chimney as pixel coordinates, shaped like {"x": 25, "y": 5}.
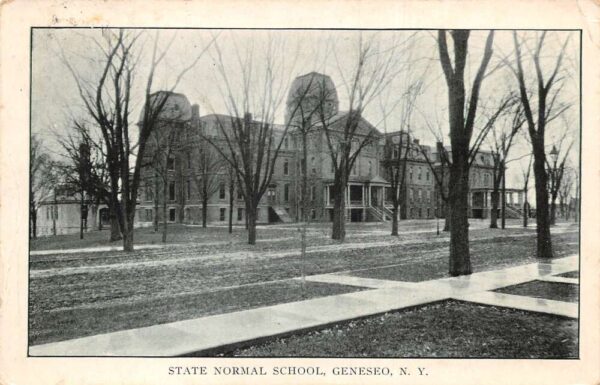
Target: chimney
{"x": 195, "y": 115}
{"x": 247, "y": 118}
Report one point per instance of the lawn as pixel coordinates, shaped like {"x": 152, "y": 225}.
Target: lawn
{"x": 447, "y": 329}
{"x": 72, "y": 322}
{"x": 570, "y": 274}
{"x": 547, "y": 290}
{"x": 80, "y": 294}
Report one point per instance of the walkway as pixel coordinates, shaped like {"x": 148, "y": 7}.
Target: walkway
{"x": 210, "y": 334}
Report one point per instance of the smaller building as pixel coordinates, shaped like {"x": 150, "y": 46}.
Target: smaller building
{"x": 60, "y": 213}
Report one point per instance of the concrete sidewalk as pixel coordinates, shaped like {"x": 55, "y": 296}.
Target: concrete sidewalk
{"x": 209, "y": 334}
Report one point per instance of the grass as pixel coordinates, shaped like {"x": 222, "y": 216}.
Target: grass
{"x": 485, "y": 255}
{"x": 570, "y": 274}
{"x": 448, "y": 329}
{"x": 72, "y": 322}
{"x": 118, "y": 290}
{"x": 547, "y": 290}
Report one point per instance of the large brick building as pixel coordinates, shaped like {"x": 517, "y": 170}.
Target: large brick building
{"x": 368, "y": 190}
{"x": 178, "y": 183}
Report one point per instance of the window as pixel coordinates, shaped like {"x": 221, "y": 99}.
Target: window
{"x": 312, "y": 165}
{"x": 370, "y": 167}
{"x": 172, "y": 215}
{"x": 286, "y": 193}
{"x": 428, "y": 196}
{"x": 427, "y": 175}
{"x": 332, "y": 167}
{"x": 419, "y": 194}
{"x": 419, "y": 174}
{"x": 189, "y": 161}
{"x": 313, "y": 192}
{"x": 222, "y": 214}
{"x": 239, "y": 193}
{"x": 222, "y": 191}
{"x": 47, "y": 212}
{"x": 286, "y": 143}
{"x": 411, "y": 194}
{"x": 171, "y": 164}
{"x": 149, "y": 215}
{"x": 240, "y": 214}
{"x": 313, "y": 214}
{"x": 485, "y": 179}
{"x": 410, "y": 175}
{"x": 395, "y": 156}
{"x": 354, "y": 168}
{"x": 172, "y": 191}
{"x": 286, "y": 167}
{"x": 148, "y": 192}
{"x": 189, "y": 189}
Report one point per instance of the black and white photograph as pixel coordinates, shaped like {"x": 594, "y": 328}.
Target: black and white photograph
{"x": 304, "y": 193}
{"x": 319, "y": 192}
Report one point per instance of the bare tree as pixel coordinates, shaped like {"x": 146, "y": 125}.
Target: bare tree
{"x": 397, "y": 147}
{"x": 347, "y": 135}
{"x": 208, "y": 169}
{"x": 556, "y": 171}
{"x": 163, "y": 144}
{"x": 251, "y": 146}
{"x": 547, "y": 108}
{"x": 108, "y": 100}
{"x": 97, "y": 185}
{"x": 502, "y": 136}
{"x": 77, "y": 171}
{"x": 461, "y": 132}
{"x": 526, "y": 173}
{"x": 565, "y": 192}
{"x": 41, "y": 180}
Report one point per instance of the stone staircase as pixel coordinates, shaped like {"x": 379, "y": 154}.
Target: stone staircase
{"x": 282, "y": 214}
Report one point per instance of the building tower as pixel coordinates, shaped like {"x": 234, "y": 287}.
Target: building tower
{"x": 315, "y": 92}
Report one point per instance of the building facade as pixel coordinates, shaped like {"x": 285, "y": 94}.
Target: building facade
{"x": 368, "y": 191}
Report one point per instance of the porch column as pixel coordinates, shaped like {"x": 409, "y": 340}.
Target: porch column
{"x": 363, "y": 194}
{"x": 348, "y": 196}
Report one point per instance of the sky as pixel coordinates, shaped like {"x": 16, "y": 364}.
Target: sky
{"x": 410, "y": 55}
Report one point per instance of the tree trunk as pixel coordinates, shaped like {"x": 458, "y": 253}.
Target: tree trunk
{"x": 494, "y": 210}
{"x": 525, "y": 212}
{"x": 33, "y": 215}
{"x": 156, "y": 186}
{"x": 251, "y": 215}
{"x": 231, "y": 192}
{"x": 164, "y": 212}
{"x": 395, "y": 219}
{"x": 128, "y": 238}
{"x": 81, "y": 216}
{"x": 544, "y": 240}
{"x": 204, "y": 209}
{"x": 115, "y": 227}
{"x": 503, "y": 197}
{"x": 339, "y": 213}
{"x": 553, "y": 210}
{"x": 446, "y": 216}
{"x": 460, "y": 261}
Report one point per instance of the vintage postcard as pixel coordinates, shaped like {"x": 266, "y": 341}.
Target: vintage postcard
{"x": 326, "y": 192}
